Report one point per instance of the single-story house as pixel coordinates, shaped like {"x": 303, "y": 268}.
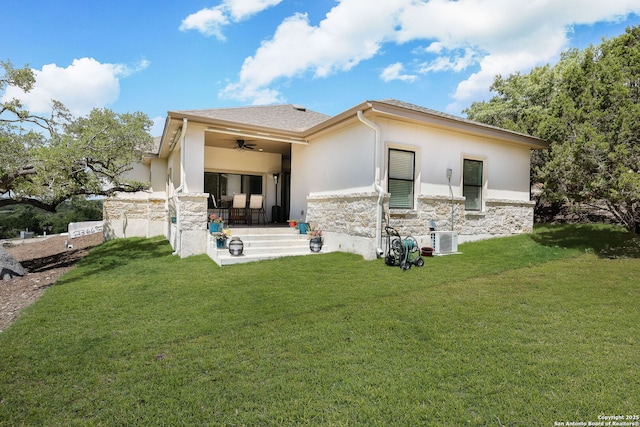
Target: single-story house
{"x": 377, "y": 163}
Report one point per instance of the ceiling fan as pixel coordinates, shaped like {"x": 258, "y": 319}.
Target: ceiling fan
{"x": 241, "y": 144}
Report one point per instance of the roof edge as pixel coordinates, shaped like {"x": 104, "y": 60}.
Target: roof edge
{"x": 440, "y": 119}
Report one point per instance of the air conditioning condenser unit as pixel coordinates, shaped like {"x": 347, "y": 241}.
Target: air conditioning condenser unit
{"x": 444, "y": 242}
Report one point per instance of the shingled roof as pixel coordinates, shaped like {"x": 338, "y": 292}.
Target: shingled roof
{"x": 287, "y": 117}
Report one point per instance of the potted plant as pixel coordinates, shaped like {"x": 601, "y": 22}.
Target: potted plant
{"x": 315, "y": 238}
{"x": 215, "y": 223}
{"x": 221, "y": 238}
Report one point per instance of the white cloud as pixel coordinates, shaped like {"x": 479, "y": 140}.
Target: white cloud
{"x": 242, "y": 9}
{"x": 254, "y": 95}
{"x": 207, "y": 21}
{"x": 210, "y": 21}
{"x": 394, "y": 72}
{"x": 505, "y": 36}
{"x": 455, "y": 62}
{"x": 82, "y": 86}
{"x": 352, "y": 31}
{"x": 498, "y": 36}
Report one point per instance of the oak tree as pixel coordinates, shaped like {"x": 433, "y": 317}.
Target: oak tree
{"x": 47, "y": 160}
{"x": 588, "y": 107}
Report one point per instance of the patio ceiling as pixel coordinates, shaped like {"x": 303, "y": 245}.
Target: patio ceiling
{"x": 227, "y": 138}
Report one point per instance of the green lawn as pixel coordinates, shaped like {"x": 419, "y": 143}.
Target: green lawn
{"x": 520, "y": 331}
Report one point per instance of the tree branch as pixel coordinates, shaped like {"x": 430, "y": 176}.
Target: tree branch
{"x": 32, "y": 202}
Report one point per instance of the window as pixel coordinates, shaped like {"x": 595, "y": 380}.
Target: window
{"x": 401, "y": 178}
{"x": 223, "y": 184}
{"x": 472, "y": 185}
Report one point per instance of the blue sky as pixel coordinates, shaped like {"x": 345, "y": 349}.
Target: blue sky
{"x": 327, "y": 55}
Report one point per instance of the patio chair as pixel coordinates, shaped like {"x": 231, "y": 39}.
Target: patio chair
{"x": 238, "y": 211}
{"x": 256, "y": 204}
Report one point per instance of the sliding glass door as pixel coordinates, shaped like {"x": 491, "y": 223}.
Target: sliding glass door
{"x": 225, "y": 185}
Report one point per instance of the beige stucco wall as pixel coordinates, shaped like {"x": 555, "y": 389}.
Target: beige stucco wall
{"x": 506, "y": 166}
{"x": 194, "y": 153}
{"x": 341, "y": 162}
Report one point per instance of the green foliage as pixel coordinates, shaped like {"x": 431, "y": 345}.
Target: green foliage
{"x": 14, "y": 219}
{"x": 20, "y": 77}
{"x": 587, "y": 107}
{"x": 91, "y": 156}
{"x": 495, "y": 336}
{"x": 74, "y": 157}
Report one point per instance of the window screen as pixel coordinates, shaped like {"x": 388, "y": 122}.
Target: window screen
{"x": 401, "y": 178}
{"x": 472, "y": 185}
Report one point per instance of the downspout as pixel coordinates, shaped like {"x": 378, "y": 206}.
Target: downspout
{"x": 376, "y": 183}
{"x": 182, "y": 180}
{"x": 182, "y": 157}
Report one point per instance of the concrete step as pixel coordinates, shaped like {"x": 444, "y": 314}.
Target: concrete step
{"x": 228, "y": 259}
{"x": 262, "y": 243}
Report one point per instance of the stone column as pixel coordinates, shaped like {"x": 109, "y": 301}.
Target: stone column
{"x": 191, "y": 209}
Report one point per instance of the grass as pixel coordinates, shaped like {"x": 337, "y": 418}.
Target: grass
{"x": 521, "y": 331}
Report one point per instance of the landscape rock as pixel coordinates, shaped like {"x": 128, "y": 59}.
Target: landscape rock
{"x": 9, "y": 267}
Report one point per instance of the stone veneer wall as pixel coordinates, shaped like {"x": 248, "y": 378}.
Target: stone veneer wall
{"x": 133, "y": 216}
{"x": 138, "y": 216}
{"x": 500, "y": 217}
{"x": 351, "y": 214}
{"x": 351, "y": 219}
{"x": 417, "y": 222}
{"x": 348, "y": 221}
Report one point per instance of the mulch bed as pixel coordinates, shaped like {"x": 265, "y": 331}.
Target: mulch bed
{"x": 45, "y": 259}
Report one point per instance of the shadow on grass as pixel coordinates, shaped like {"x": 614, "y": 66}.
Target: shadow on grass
{"x": 120, "y": 252}
{"x": 51, "y": 262}
{"x": 602, "y": 240}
